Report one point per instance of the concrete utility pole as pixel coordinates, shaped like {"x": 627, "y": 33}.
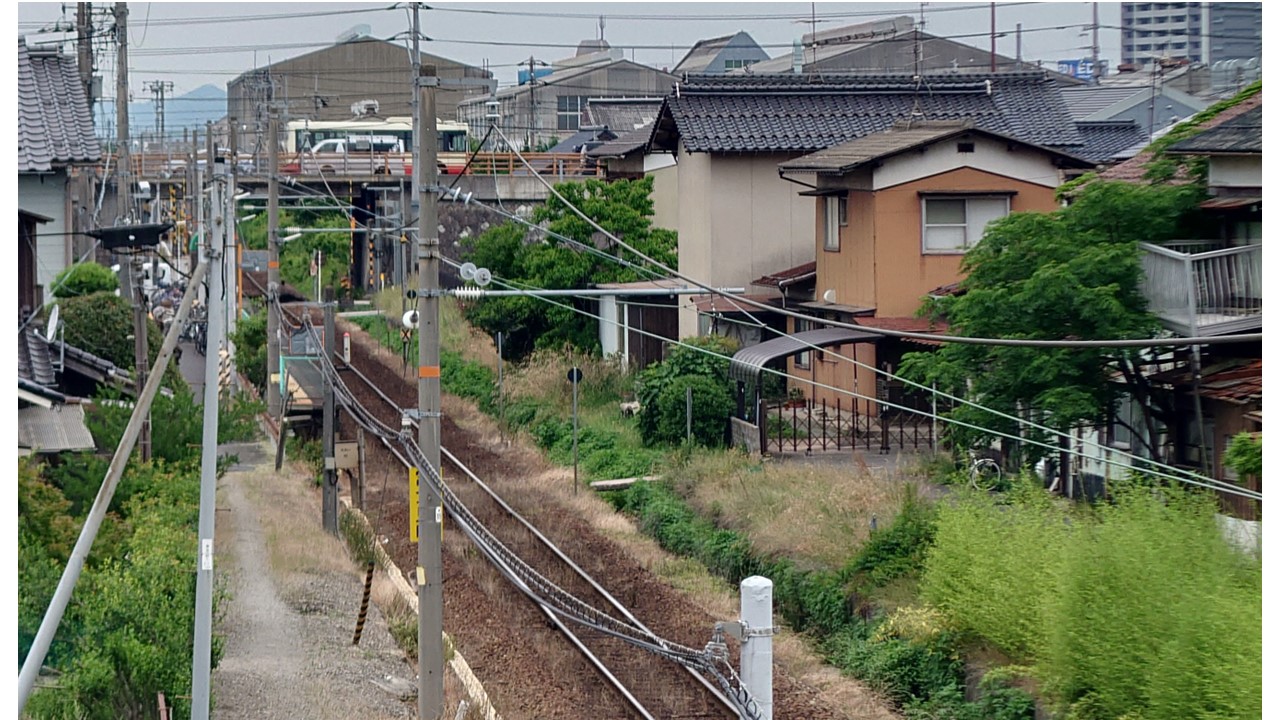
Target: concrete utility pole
{"x": 273, "y": 266}
{"x": 757, "y": 641}
{"x": 232, "y": 253}
{"x": 417, "y": 120}
{"x": 93, "y": 521}
{"x": 123, "y": 169}
{"x": 993, "y": 37}
{"x": 430, "y": 510}
{"x": 533, "y": 116}
{"x": 1097, "y": 71}
{"x": 201, "y": 656}
{"x": 84, "y": 49}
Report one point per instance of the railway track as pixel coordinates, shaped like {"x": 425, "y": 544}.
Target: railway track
{"x": 629, "y": 681}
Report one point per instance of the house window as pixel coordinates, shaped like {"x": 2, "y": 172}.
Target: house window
{"x": 955, "y": 224}
{"x": 736, "y": 64}
{"x": 801, "y": 325}
{"x": 837, "y": 215}
{"x": 569, "y": 111}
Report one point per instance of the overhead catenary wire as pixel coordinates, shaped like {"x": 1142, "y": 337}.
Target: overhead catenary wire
{"x": 1149, "y": 466}
{"x": 1021, "y": 422}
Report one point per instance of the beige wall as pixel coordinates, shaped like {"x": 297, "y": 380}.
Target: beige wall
{"x": 666, "y": 198}
{"x": 881, "y": 263}
{"x": 1230, "y": 171}
{"x": 827, "y": 369}
{"x": 737, "y": 221}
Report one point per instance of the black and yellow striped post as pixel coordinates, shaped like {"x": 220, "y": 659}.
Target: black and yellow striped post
{"x": 364, "y": 602}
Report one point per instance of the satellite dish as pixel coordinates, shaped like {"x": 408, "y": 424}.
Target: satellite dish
{"x": 52, "y": 330}
{"x": 410, "y": 319}
{"x": 483, "y": 276}
{"x": 467, "y": 271}
{"x": 829, "y": 296}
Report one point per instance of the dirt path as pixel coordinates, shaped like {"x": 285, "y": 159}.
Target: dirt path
{"x": 288, "y": 617}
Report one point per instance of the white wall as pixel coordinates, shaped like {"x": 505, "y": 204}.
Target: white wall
{"x": 1234, "y": 171}
{"x": 46, "y": 195}
{"x": 988, "y": 154}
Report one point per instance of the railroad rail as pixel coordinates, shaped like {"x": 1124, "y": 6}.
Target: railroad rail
{"x": 633, "y": 681}
{"x": 696, "y": 684}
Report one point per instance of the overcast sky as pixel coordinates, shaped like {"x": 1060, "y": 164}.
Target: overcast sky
{"x": 192, "y": 44}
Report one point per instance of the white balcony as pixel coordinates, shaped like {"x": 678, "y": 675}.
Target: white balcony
{"x": 1203, "y": 287}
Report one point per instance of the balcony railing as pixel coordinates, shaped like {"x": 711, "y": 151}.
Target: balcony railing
{"x": 1201, "y": 287}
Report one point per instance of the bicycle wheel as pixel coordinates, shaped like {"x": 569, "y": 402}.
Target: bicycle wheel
{"x": 985, "y": 474}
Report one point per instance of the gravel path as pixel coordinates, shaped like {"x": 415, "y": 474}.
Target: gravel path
{"x": 289, "y": 654}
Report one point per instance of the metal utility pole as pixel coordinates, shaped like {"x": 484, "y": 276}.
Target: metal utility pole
{"x": 123, "y": 169}
{"x": 201, "y": 655}
{"x": 93, "y": 521}
{"x": 158, "y": 89}
{"x": 273, "y": 265}
{"x": 1019, "y": 53}
{"x": 329, "y": 512}
{"x": 84, "y": 49}
{"x": 430, "y": 510}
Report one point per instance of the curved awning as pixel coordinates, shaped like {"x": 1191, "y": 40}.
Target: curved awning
{"x": 747, "y": 363}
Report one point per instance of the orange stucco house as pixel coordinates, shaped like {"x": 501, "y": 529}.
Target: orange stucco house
{"x": 895, "y": 213}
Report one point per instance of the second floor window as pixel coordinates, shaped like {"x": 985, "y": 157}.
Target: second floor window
{"x": 955, "y": 224}
{"x": 837, "y": 216}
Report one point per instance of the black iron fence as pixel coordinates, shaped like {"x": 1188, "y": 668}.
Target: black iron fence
{"x": 904, "y": 422}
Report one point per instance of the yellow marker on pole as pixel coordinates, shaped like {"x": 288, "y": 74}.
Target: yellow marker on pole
{"x": 413, "y": 504}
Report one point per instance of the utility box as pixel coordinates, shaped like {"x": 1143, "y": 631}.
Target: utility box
{"x": 346, "y": 455}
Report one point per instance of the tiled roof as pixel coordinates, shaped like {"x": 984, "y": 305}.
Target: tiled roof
{"x": 34, "y": 363}
{"x": 844, "y": 157}
{"x": 1103, "y": 139}
{"x": 54, "y": 123}
{"x": 804, "y": 113}
{"x": 626, "y": 144}
{"x": 1135, "y": 168}
{"x": 1240, "y": 134}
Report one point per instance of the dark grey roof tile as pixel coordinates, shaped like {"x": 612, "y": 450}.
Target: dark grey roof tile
{"x": 54, "y": 123}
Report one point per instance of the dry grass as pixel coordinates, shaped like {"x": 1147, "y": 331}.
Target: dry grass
{"x": 817, "y": 514}
{"x": 455, "y": 333}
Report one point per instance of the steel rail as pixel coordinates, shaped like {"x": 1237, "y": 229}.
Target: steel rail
{"x": 511, "y": 575}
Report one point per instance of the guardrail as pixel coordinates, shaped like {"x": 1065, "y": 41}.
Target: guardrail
{"x": 174, "y": 165}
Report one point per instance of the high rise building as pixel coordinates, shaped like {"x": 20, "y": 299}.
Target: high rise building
{"x": 1199, "y": 32}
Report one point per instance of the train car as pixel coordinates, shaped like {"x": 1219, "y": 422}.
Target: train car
{"x": 452, "y": 146}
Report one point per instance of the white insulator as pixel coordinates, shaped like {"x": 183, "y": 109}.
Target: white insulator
{"x": 468, "y": 293}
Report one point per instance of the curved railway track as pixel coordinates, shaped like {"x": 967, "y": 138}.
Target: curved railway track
{"x": 629, "y": 681}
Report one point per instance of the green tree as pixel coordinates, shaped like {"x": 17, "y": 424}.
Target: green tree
{"x": 296, "y": 256}
{"x": 84, "y": 278}
{"x": 102, "y": 324}
{"x": 1071, "y": 274}
{"x": 510, "y": 251}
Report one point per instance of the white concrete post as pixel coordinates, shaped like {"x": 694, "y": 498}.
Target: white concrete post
{"x": 757, "y": 642}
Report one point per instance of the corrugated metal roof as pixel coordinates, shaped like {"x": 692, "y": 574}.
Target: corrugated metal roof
{"x": 621, "y": 114}
{"x": 54, "y": 123}
{"x": 1086, "y": 100}
{"x": 626, "y": 144}
{"x": 54, "y": 429}
{"x": 748, "y": 362}
{"x": 788, "y": 276}
{"x": 805, "y": 113}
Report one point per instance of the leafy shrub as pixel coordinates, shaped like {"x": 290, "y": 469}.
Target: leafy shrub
{"x": 712, "y": 407}
{"x": 1244, "y": 455}
{"x": 898, "y": 550}
{"x": 681, "y": 361}
{"x": 467, "y": 379}
{"x": 250, "y": 339}
{"x": 102, "y": 324}
{"x": 903, "y": 670}
{"x": 84, "y": 278}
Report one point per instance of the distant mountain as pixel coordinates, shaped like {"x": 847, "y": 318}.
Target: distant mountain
{"x": 192, "y": 109}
